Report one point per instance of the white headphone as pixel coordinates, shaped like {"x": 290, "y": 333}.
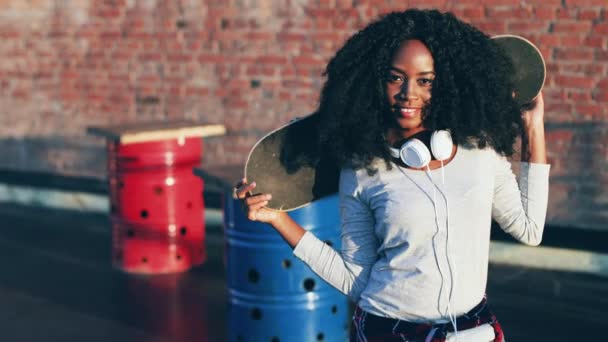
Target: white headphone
{"x": 414, "y": 152}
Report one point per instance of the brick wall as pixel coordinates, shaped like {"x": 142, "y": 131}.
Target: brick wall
{"x": 254, "y": 65}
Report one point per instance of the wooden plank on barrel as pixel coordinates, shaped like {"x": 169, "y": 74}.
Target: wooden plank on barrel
{"x": 153, "y": 131}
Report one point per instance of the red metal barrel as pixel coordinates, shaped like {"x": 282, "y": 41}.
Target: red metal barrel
{"x": 157, "y": 208}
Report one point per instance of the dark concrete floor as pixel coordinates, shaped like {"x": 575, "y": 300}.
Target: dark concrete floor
{"x": 57, "y": 284}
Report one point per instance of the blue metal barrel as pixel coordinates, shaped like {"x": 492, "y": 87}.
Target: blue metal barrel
{"x": 273, "y": 295}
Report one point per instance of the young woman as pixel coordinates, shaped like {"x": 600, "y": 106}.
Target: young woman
{"x": 415, "y": 234}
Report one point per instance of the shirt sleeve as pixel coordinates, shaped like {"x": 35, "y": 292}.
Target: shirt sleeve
{"x": 347, "y": 270}
{"x": 520, "y": 206}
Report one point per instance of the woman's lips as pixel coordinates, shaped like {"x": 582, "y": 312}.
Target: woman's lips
{"x": 408, "y": 112}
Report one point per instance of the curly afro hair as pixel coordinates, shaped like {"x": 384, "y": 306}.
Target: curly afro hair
{"x": 471, "y": 94}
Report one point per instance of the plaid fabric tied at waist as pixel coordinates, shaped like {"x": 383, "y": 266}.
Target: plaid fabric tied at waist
{"x": 372, "y": 328}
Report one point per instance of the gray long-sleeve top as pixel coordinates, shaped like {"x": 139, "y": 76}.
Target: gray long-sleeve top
{"x": 405, "y": 248}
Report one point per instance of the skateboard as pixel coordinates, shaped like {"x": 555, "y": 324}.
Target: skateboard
{"x": 530, "y": 69}
{"x": 288, "y": 164}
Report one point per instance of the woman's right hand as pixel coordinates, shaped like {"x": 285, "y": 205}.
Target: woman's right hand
{"x": 254, "y": 205}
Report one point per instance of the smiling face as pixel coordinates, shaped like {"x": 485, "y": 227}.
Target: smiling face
{"x": 408, "y": 87}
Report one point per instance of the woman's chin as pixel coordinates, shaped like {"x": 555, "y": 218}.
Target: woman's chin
{"x": 409, "y": 123}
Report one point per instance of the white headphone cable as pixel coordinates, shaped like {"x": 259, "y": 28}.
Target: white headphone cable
{"x": 452, "y": 268}
{"x": 434, "y": 200}
{"x": 451, "y": 315}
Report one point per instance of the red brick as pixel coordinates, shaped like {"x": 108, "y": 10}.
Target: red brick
{"x": 601, "y": 96}
{"x": 574, "y": 81}
{"x": 272, "y": 59}
{"x": 549, "y": 39}
{"x": 110, "y": 35}
{"x": 322, "y": 13}
{"x": 589, "y": 14}
{"x": 595, "y": 69}
{"x": 467, "y": 3}
{"x": 179, "y": 58}
{"x": 580, "y": 96}
{"x": 589, "y": 110}
{"x": 562, "y": 135}
{"x": 555, "y": 95}
{"x": 344, "y": 4}
{"x": 507, "y": 13}
{"x": 268, "y": 70}
{"x": 527, "y": 26}
{"x": 473, "y": 12}
{"x": 568, "y": 41}
{"x": 295, "y": 84}
{"x": 212, "y": 59}
{"x": 574, "y": 54}
{"x": 21, "y": 93}
{"x": 10, "y": 34}
{"x": 260, "y": 36}
{"x": 306, "y": 60}
{"x": 567, "y": 13}
{"x": 603, "y": 84}
{"x": 326, "y": 36}
{"x": 596, "y": 41}
{"x": 601, "y": 55}
{"x": 545, "y": 13}
{"x": 108, "y": 13}
{"x": 571, "y": 26}
{"x": 489, "y": 3}
{"x": 582, "y": 3}
{"x": 291, "y": 37}
{"x": 601, "y": 29}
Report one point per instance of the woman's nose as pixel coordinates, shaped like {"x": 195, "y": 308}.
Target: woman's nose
{"x": 401, "y": 95}
{"x": 405, "y": 93}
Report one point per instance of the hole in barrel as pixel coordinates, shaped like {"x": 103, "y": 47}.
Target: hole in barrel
{"x": 130, "y": 233}
{"x": 144, "y": 260}
{"x": 183, "y": 230}
{"x": 334, "y": 309}
{"x": 286, "y": 263}
{"x": 158, "y": 190}
{"x": 309, "y": 284}
{"x": 275, "y": 339}
{"x": 320, "y": 337}
{"x": 253, "y": 275}
{"x": 256, "y": 314}
{"x": 144, "y": 213}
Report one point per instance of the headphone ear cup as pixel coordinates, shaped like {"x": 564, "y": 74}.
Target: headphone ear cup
{"x": 415, "y": 154}
{"x": 441, "y": 144}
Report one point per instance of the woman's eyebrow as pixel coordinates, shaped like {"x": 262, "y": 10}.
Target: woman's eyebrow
{"x": 422, "y": 73}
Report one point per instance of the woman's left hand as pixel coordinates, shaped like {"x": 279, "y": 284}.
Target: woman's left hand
{"x": 534, "y": 116}
{"x": 533, "y": 141}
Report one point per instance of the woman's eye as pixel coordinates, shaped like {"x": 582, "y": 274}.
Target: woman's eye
{"x": 394, "y": 78}
{"x": 425, "y": 81}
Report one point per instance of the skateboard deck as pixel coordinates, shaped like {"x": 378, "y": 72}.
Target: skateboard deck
{"x": 287, "y": 163}
{"x": 530, "y": 69}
